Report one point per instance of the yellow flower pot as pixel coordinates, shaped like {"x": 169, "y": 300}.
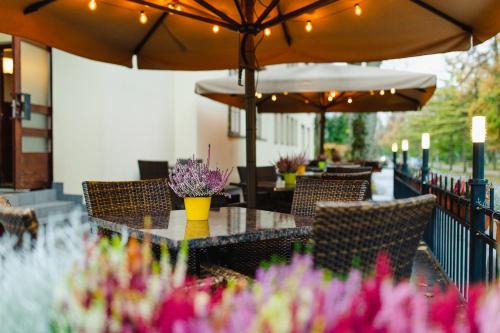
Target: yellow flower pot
{"x": 290, "y": 178}
{"x": 196, "y": 229}
{"x": 197, "y": 209}
{"x": 301, "y": 170}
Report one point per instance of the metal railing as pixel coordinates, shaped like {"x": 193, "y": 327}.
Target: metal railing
{"x": 461, "y": 235}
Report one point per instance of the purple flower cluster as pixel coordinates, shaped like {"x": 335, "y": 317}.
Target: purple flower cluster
{"x": 196, "y": 179}
{"x": 290, "y": 163}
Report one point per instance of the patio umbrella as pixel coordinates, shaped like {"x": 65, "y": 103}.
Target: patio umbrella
{"x": 325, "y": 88}
{"x": 198, "y": 35}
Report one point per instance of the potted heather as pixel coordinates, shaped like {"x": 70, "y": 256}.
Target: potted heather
{"x": 288, "y": 166}
{"x": 322, "y": 161}
{"x": 197, "y": 183}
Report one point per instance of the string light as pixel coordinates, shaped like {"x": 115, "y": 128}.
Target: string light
{"x": 143, "y": 18}
{"x": 357, "y": 9}
{"x": 306, "y": 101}
{"x": 274, "y": 98}
{"x": 215, "y": 28}
{"x": 179, "y": 8}
{"x": 349, "y": 100}
{"x": 393, "y": 91}
{"x": 309, "y": 26}
{"x": 382, "y": 92}
{"x": 258, "y": 95}
{"x": 92, "y": 5}
{"x": 285, "y": 93}
{"x": 372, "y": 92}
{"x": 267, "y": 32}
{"x": 330, "y": 98}
{"x": 333, "y": 93}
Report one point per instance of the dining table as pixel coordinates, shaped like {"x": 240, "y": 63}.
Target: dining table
{"x": 225, "y": 226}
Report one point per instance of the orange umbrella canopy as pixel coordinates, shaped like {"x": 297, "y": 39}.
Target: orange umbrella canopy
{"x": 205, "y": 34}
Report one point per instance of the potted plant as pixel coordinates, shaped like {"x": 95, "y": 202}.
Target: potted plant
{"x": 287, "y": 167}
{"x": 197, "y": 183}
{"x": 302, "y": 160}
{"x": 322, "y": 161}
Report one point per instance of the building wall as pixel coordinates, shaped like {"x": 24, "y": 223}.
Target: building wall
{"x": 107, "y": 117}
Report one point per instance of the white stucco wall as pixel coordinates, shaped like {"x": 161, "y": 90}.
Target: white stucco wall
{"x": 107, "y": 117}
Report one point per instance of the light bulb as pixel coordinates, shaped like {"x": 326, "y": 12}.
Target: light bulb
{"x": 143, "y": 17}
{"x": 267, "y": 32}
{"x": 215, "y": 28}
{"x": 7, "y": 65}
{"x": 285, "y": 93}
{"x": 394, "y": 147}
{"x": 306, "y": 101}
{"x": 349, "y": 100}
{"x": 92, "y": 5}
{"x": 478, "y": 129}
{"x": 179, "y": 8}
{"x": 330, "y": 98}
{"x": 258, "y": 95}
{"x": 393, "y": 91}
{"x": 426, "y": 141}
{"x": 309, "y": 26}
{"x": 333, "y": 93}
{"x": 357, "y": 9}
{"x": 274, "y": 98}
{"x": 382, "y": 92}
{"x": 405, "y": 145}
{"x": 372, "y": 92}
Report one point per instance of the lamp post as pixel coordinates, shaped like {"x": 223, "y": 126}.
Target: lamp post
{"x": 478, "y": 195}
{"x": 426, "y": 143}
{"x": 404, "y": 147}
{"x": 394, "y": 154}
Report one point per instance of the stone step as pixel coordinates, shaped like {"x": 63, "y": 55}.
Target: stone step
{"x": 31, "y": 197}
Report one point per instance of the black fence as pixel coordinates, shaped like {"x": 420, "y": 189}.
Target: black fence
{"x": 462, "y": 236}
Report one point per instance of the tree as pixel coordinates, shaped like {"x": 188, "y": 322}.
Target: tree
{"x": 359, "y": 133}
{"x": 337, "y": 129}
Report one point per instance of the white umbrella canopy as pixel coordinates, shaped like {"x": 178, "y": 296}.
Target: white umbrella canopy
{"x": 327, "y": 88}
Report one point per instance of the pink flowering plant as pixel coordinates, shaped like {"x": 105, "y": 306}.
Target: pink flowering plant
{"x": 290, "y": 163}
{"x": 196, "y": 179}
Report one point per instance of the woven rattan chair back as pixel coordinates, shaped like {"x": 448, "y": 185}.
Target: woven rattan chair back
{"x": 129, "y": 197}
{"x": 153, "y": 169}
{"x": 348, "y": 169}
{"x": 311, "y": 190}
{"x": 367, "y": 175}
{"x": 17, "y": 222}
{"x": 358, "y": 231}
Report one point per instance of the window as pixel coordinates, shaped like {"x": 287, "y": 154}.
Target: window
{"x": 237, "y": 124}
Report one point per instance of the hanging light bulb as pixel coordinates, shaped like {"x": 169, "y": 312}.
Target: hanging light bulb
{"x": 178, "y": 7}
{"x": 393, "y": 91}
{"x": 330, "y": 98}
{"x": 215, "y": 28}
{"x": 92, "y": 5}
{"x": 372, "y": 92}
{"x": 306, "y": 101}
{"x": 143, "y": 18}
{"x": 274, "y": 98}
{"x": 382, "y": 92}
{"x": 285, "y": 93}
{"x": 309, "y": 26}
{"x": 267, "y": 32}
{"x": 333, "y": 94}
{"x": 357, "y": 9}
{"x": 349, "y": 100}
{"x": 258, "y": 95}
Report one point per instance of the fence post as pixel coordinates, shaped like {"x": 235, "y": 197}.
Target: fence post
{"x": 425, "y": 161}
{"x": 404, "y": 148}
{"x": 477, "y": 265}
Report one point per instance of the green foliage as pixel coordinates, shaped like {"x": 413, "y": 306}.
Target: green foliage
{"x": 337, "y": 129}
{"x": 359, "y": 136}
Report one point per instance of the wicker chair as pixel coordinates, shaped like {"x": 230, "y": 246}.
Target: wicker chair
{"x": 347, "y": 231}
{"x": 127, "y": 197}
{"x": 265, "y": 173}
{"x": 17, "y": 222}
{"x": 311, "y": 190}
{"x": 348, "y": 169}
{"x": 153, "y": 169}
{"x": 367, "y": 175}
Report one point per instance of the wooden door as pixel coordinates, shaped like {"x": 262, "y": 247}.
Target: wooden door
{"x": 31, "y": 115}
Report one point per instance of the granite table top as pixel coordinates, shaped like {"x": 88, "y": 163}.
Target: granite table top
{"x": 228, "y": 225}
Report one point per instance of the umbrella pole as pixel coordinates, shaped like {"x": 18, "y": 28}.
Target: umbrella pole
{"x": 250, "y": 110}
{"x": 322, "y": 120}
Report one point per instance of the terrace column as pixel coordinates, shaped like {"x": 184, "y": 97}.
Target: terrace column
{"x": 322, "y": 121}
{"x": 250, "y": 108}
{"x": 425, "y": 161}
{"x": 477, "y": 268}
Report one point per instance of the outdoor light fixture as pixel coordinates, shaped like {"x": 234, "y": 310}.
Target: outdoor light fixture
{"x": 393, "y": 91}
{"x": 215, "y": 28}
{"x": 143, "y": 18}
{"x": 478, "y": 129}
{"x": 426, "y": 141}
{"x": 309, "y": 26}
{"x": 267, "y": 32}
{"x": 92, "y": 5}
{"x": 357, "y": 9}
{"x": 394, "y": 147}
{"x": 404, "y": 145}
{"x": 8, "y": 65}
{"x": 382, "y": 92}
{"x": 349, "y": 100}
{"x": 274, "y": 98}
